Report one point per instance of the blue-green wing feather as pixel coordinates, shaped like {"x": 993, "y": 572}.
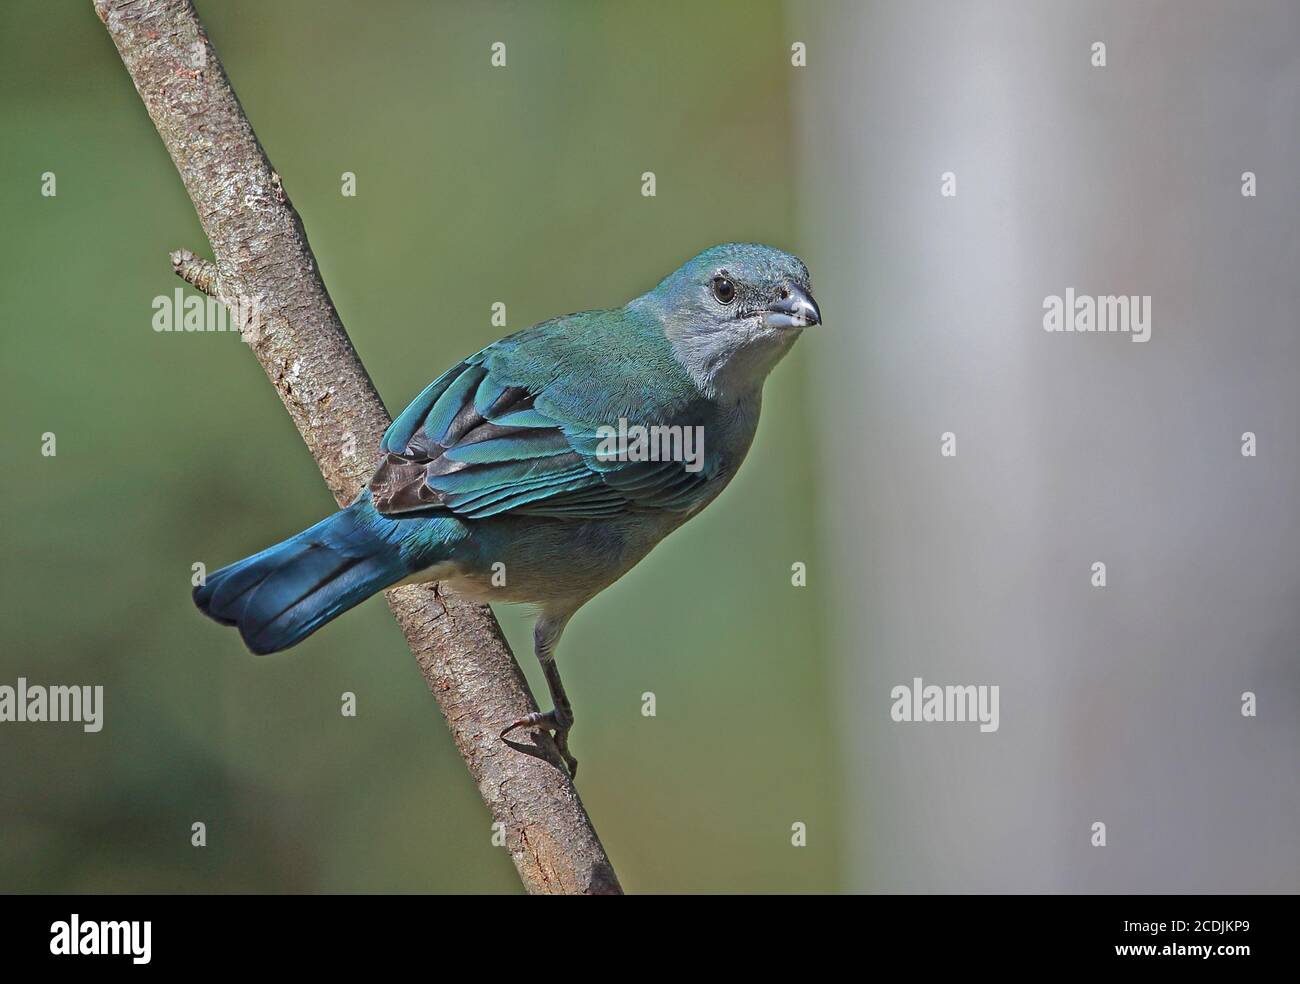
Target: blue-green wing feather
{"x": 514, "y": 427}
{"x": 409, "y": 420}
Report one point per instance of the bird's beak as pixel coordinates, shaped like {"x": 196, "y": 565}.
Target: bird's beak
{"x": 796, "y": 310}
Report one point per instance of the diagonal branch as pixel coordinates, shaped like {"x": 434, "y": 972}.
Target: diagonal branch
{"x": 266, "y": 272}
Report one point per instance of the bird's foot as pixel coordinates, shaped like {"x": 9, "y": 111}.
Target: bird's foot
{"x": 550, "y": 721}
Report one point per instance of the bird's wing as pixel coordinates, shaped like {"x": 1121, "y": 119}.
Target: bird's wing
{"x": 477, "y": 444}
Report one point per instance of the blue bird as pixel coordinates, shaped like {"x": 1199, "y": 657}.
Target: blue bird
{"x": 542, "y": 468}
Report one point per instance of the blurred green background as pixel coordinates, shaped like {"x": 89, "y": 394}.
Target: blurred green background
{"x": 474, "y": 185}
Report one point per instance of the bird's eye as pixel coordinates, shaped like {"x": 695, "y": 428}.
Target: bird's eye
{"x": 724, "y": 290}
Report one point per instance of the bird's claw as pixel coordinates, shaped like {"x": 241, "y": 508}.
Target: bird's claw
{"x": 549, "y": 721}
{"x": 535, "y": 720}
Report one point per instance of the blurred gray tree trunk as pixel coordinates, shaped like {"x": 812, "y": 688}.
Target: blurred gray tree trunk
{"x": 1119, "y": 704}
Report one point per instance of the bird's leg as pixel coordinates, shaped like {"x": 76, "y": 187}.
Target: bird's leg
{"x": 562, "y": 715}
{"x": 546, "y": 634}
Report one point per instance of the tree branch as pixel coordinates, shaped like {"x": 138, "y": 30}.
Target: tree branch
{"x": 265, "y": 269}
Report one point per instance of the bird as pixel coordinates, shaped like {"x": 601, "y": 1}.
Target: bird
{"x": 542, "y": 468}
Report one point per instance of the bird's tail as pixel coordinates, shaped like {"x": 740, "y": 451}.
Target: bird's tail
{"x": 285, "y": 593}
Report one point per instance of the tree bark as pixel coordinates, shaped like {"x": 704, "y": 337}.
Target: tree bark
{"x": 265, "y": 271}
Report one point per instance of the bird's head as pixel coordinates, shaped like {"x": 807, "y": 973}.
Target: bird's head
{"x": 732, "y": 312}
